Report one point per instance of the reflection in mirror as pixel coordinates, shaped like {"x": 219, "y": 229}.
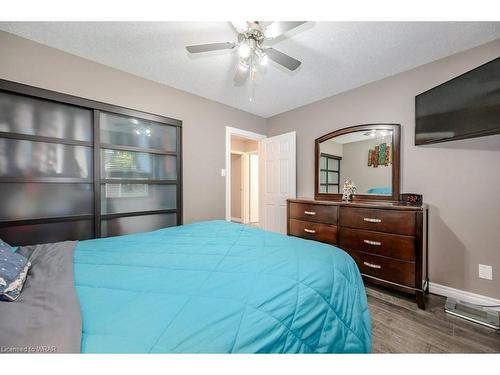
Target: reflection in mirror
{"x": 365, "y": 157}
{"x": 329, "y": 177}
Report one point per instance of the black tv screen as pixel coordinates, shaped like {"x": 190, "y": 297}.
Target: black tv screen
{"x": 464, "y": 107}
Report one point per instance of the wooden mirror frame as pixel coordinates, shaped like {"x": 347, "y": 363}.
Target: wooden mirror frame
{"x": 396, "y": 145}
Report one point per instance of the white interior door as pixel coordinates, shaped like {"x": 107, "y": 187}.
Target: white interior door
{"x": 277, "y": 157}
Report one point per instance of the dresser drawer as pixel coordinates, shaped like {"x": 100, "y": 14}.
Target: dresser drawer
{"x": 392, "y": 270}
{"x": 318, "y": 213}
{"x": 392, "y": 221}
{"x": 389, "y": 245}
{"x": 313, "y": 231}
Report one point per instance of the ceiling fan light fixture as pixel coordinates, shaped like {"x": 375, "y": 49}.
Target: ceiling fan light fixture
{"x": 244, "y": 50}
{"x": 243, "y": 66}
{"x": 240, "y": 26}
{"x": 253, "y": 50}
{"x": 264, "y": 60}
{"x": 273, "y": 30}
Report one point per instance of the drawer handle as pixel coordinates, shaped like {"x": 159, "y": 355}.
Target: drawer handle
{"x": 371, "y": 220}
{"x": 312, "y": 213}
{"x": 372, "y": 265}
{"x": 309, "y": 230}
{"x": 374, "y": 243}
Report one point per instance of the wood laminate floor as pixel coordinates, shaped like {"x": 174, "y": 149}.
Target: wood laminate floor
{"x": 398, "y": 326}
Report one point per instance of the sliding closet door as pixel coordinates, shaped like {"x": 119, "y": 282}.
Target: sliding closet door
{"x": 46, "y": 171}
{"x": 139, "y": 184}
{"x": 75, "y": 169}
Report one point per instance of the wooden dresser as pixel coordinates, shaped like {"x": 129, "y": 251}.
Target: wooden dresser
{"x": 387, "y": 240}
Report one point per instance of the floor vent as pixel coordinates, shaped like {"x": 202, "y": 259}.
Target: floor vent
{"x": 474, "y": 313}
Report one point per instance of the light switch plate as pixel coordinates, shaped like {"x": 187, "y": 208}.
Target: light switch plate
{"x": 485, "y": 272}
{"x": 223, "y": 172}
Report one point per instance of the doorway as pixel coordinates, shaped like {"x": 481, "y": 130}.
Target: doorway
{"x": 242, "y": 176}
{"x": 260, "y": 175}
{"x": 236, "y": 187}
{"x": 244, "y": 170}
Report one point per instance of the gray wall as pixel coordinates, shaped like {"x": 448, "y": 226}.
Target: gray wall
{"x": 354, "y": 165}
{"x": 459, "y": 180}
{"x": 204, "y": 121}
{"x": 331, "y": 147}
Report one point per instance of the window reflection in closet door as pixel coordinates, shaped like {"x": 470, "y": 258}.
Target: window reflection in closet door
{"x": 122, "y": 164}
{"x": 139, "y": 177}
{"x": 129, "y": 131}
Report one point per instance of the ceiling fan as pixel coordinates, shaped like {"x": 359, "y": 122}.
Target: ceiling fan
{"x": 252, "y": 46}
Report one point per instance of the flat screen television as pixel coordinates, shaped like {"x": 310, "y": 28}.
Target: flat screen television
{"x": 465, "y": 107}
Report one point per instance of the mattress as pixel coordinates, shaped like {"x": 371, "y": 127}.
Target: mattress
{"x": 219, "y": 287}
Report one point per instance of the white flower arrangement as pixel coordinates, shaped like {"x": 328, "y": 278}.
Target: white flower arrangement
{"x": 348, "y": 190}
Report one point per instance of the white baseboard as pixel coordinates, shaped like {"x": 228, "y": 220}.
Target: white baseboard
{"x": 236, "y": 219}
{"x": 463, "y": 295}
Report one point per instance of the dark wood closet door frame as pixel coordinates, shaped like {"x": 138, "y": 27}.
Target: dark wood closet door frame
{"x": 96, "y": 107}
{"x": 37, "y": 92}
{"x": 396, "y": 146}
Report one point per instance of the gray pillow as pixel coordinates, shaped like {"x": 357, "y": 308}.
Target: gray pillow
{"x": 13, "y": 271}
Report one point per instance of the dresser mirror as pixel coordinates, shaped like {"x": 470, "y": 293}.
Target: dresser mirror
{"x": 368, "y": 155}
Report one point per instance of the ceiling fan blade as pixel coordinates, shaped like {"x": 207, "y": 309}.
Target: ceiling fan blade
{"x": 240, "y": 26}
{"x": 264, "y": 24}
{"x": 283, "y": 59}
{"x": 240, "y": 77}
{"x": 278, "y": 28}
{"x": 210, "y": 47}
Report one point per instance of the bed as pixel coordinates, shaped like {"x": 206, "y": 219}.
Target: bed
{"x": 218, "y": 287}
{"x": 380, "y": 190}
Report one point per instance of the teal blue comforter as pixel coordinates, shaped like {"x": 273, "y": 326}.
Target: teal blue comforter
{"x": 219, "y": 287}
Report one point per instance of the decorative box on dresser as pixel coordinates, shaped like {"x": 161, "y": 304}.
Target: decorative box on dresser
{"x": 386, "y": 239}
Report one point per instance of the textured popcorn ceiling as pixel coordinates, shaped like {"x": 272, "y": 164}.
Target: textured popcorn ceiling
{"x": 335, "y": 56}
